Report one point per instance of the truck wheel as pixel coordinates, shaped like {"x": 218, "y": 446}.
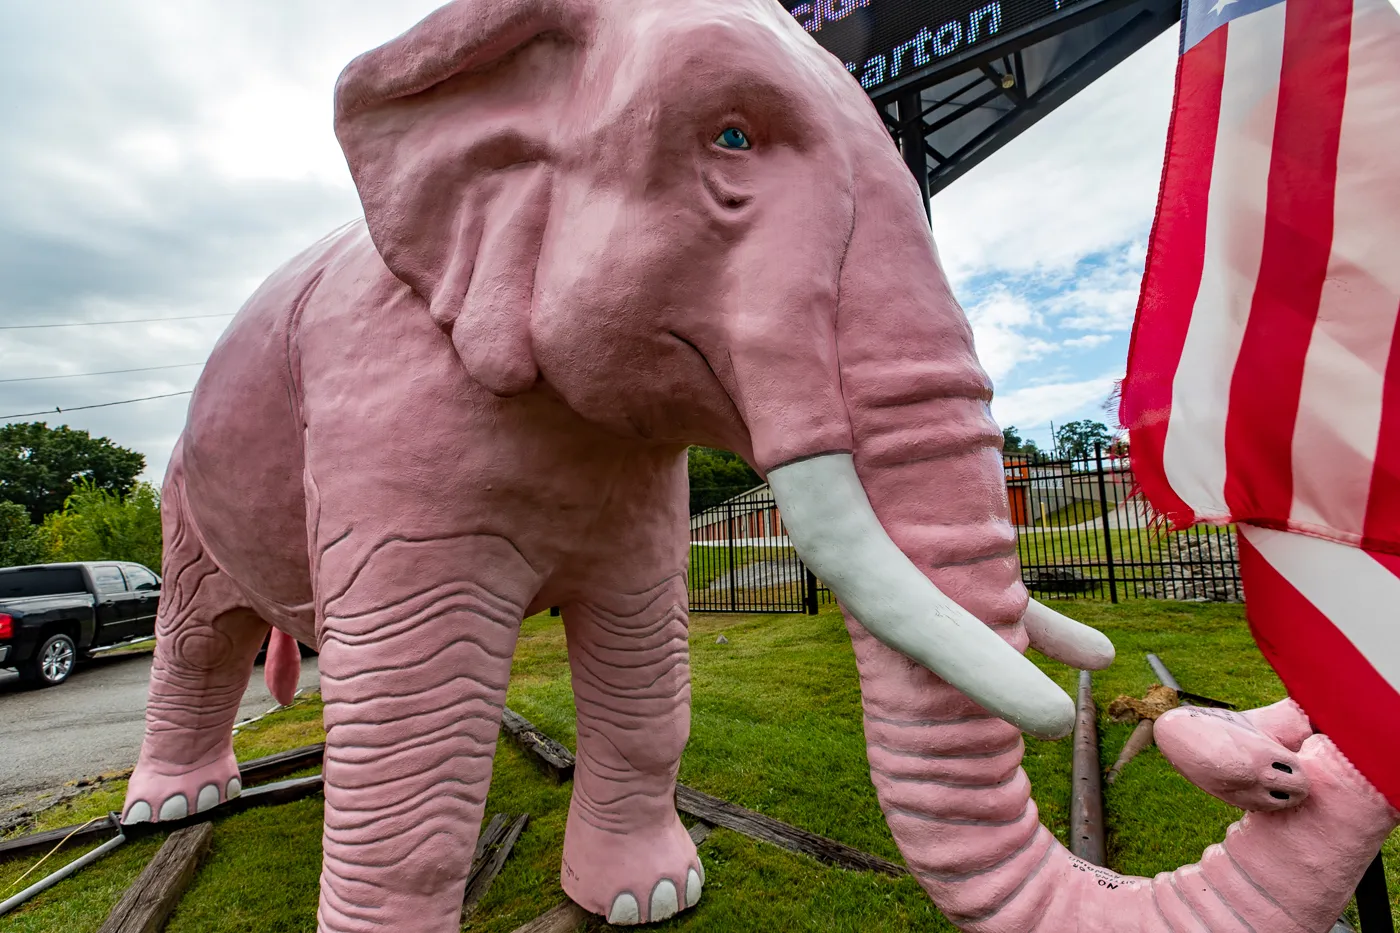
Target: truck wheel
{"x": 52, "y": 663}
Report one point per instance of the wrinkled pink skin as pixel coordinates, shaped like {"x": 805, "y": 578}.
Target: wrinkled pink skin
{"x": 477, "y": 406}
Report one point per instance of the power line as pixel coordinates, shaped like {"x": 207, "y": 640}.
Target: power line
{"x": 49, "y": 411}
{"x": 109, "y": 372}
{"x": 143, "y": 320}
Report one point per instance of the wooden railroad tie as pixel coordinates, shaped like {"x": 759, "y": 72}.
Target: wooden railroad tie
{"x": 560, "y": 762}
{"x": 493, "y": 847}
{"x": 256, "y": 771}
{"x": 556, "y": 760}
{"x": 554, "y": 757}
{"x": 150, "y": 900}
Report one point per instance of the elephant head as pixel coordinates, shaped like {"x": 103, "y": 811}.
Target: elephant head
{"x": 689, "y": 223}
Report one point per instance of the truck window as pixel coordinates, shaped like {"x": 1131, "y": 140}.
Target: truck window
{"x": 41, "y": 581}
{"x": 138, "y": 578}
{"x": 108, "y": 580}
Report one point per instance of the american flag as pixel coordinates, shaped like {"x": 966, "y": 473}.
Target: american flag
{"x": 1263, "y": 382}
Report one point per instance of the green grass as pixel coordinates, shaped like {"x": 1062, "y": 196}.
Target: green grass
{"x": 775, "y": 727}
{"x": 708, "y": 563}
{"x": 1080, "y": 510}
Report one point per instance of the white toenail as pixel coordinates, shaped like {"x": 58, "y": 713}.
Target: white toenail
{"x": 692, "y": 888}
{"x": 663, "y": 901}
{"x": 235, "y": 787}
{"x": 176, "y": 808}
{"x": 625, "y": 911}
{"x": 140, "y": 812}
{"x": 208, "y": 798}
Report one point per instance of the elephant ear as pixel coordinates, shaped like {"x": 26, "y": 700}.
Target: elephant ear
{"x": 450, "y": 132}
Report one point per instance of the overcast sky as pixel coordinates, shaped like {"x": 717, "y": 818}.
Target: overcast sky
{"x": 160, "y": 158}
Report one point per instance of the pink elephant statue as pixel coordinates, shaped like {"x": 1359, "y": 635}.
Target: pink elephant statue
{"x": 596, "y": 232}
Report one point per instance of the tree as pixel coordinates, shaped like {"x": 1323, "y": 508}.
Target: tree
{"x": 39, "y": 466}
{"x": 1076, "y": 440}
{"x": 97, "y": 524}
{"x": 717, "y": 475}
{"x": 1013, "y": 443}
{"x": 20, "y": 541}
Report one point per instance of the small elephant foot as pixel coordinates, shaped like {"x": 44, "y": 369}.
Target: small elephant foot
{"x": 641, "y": 876}
{"x": 1227, "y": 755}
{"x": 160, "y": 794}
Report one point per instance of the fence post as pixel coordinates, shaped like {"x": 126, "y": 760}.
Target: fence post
{"x": 1107, "y": 526}
{"x": 729, "y": 523}
{"x": 809, "y": 590}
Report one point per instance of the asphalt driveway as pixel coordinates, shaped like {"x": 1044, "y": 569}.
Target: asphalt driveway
{"x": 89, "y": 725}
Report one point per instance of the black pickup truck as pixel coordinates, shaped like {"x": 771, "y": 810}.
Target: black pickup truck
{"x": 51, "y": 615}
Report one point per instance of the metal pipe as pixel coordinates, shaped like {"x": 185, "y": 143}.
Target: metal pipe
{"x": 1164, "y": 675}
{"x": 71, "y": 868}
{"x": 1086, "y": 836}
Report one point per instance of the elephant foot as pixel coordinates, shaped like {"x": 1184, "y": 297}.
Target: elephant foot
{"x": 644, "y": 875}
{"x": 1229, "y": 756}
{"x": 160, "y": 793}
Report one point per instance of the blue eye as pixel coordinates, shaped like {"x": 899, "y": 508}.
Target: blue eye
{"x": 733, "y": 138}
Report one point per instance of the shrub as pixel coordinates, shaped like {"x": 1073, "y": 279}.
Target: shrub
{"x": 96, "y": 524}
{"x": 20, "y": 541}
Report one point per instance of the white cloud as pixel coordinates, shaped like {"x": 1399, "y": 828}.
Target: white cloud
{"x": 1082, "y": 181}
{"x": 164, "y": 156}
{"x": 1036, "y": 406}
{"x": 1088, "y": 341}
{"x": 999, "y": 328}
{"x": 1045, "y": 241}
{"x": 1106, "y": 296}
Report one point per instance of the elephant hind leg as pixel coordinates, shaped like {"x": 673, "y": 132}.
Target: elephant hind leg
{"x": 206, "y": 642}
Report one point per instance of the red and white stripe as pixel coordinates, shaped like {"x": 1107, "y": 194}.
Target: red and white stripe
{"x": 1232, "y": 248}
{"x": 1264, "y": 376}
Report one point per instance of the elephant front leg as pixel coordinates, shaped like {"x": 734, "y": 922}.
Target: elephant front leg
{"x": 415, "y": 656}
{"x": 626, "y": 854}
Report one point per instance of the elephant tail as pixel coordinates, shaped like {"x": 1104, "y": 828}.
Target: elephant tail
{"x": 282, "y": 670}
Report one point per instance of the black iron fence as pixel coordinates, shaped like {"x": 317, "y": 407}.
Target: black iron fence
{"x": 741, "y": 560}
{"x": 1082, "y": 533}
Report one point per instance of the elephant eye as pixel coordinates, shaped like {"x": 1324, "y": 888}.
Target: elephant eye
{"x": 733, "y": 138}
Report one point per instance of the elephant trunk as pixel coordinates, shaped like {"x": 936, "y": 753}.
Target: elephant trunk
{"x": 924, "y": 490}
{"x": 949, "y": 780}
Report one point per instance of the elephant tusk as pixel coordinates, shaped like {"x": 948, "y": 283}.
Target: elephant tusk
{"x": 1067, "y": 641}
{"x": 834, "y": 529}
